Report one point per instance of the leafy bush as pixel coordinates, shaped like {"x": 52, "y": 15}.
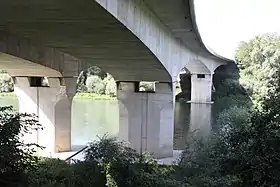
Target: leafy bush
{"x": 15, "y": 155}
{"x": 50, "y": 172}
{"x": 245, "y": 151}
{"x": 54, "y": 172}
{"x": 94, "y": 70}
{"x": 81, "y": 88}
{"x": 233, "y": 116}
{"x": 201, "y": 164}
{"x": 95, "y": 84}
{"x": 107, "y": 162}
{"x": 125, "y": 167}
{"x": 6, "y": 83}
{"x": 147, "y": 86}
{"x": 258, "y": 60}
{"x": 99, "y": 88}
{"x": 111, "y": 87}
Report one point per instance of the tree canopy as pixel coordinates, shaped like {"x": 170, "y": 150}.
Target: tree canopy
{"x": 259, "y": 64}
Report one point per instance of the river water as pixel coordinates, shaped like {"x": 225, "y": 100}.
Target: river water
{"x": 92, "y": 118}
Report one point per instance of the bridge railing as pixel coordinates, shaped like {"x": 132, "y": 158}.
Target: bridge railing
{"x": 70, "y": 158}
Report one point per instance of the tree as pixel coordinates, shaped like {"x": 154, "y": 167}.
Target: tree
{"x": 15, "y": 156}
{"x": 111, "y": 87}
{"x": 94, "y": 70}
{"x": 259, "y": 64}
{"x": 245, "y": 151}
{"x": 6, "y": 83}
{"x": 95, "y": 84}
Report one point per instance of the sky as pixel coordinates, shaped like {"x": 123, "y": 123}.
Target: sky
{"x": 223, "y": 24}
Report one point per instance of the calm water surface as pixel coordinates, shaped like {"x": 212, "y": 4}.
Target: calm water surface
{"x": 92, "y": 118}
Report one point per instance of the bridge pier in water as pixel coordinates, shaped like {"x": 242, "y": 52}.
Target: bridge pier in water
{"x": 52, "y": 105}
{"x": 147, "y": 118}
{"x": 200, "y": 110}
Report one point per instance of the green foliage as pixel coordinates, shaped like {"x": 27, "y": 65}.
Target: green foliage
{"x": 49, "y": 172}
{"x": 229, "y": 94}
{"x": 147, "y": 86}
{"x": 111, "y": 87}
{"x": 81, "y": 88}
{"x": 15, "y": 156}
{"x": 94, "y": 70}
{"x": 124, "y": 167}
{"x": 94, "y": 80}
{"x": 107, "y": 162}
{"x": 95, "y": 84}
{"x": 6, "y": 83}
{"x": 245, "y": 151}
{"x": 201, "y": 164}
{"x": 259, "y": 63}
{"x": 233, "y": 116}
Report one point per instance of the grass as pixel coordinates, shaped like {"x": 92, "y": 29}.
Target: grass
{"x": 7, "y": 94}
{"x": 91, "y": 96}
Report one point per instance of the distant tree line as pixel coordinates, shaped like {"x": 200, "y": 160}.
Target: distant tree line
{"x": 91, "y": 80}
{"x": 95, "y": 80}
{"x": 244, "y": 152}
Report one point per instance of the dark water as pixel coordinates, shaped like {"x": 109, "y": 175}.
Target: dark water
{"x": 92, "y": 118}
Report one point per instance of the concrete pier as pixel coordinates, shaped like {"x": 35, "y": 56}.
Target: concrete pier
{"x": 52, "y": 105}
{"x": 200, "y": 112}
{"x": 147, "y": 119}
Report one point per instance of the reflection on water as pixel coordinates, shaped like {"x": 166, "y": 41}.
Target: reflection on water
{"x": 93, "y": 117}
{"x": 98, "y": 117}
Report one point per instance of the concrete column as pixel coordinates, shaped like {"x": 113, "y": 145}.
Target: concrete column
{"x": 52, "y": 105}
{"x": 147, "y": 119}
{"x": 200, "y": 112}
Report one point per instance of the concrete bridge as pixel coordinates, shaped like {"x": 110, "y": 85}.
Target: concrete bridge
{"x": 134, "y": 40}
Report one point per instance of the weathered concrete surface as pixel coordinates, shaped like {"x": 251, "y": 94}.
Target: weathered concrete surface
{"x": 179, "y": 17}
{"x": 36, "y": 60}
{"x": 134, "y": 40}
{"x": 85, "y": 30}
{"x": 146, "y": 119}
{"x": 19, "y": 67}
{"x": 201, "y": 103}
{"x": 52, "y": 105}
{"x": 131, "y": 39}
{"x": 201, "y": 88}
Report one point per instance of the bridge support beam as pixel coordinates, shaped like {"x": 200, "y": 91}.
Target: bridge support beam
{"x": 147, "y": 118}
{"x": 52, "y": 105}
{"x": 200, "y": 112}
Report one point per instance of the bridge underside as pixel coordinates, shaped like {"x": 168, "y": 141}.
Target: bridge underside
{"x": 85, "y": 30}
{"x": 17, "y": 67}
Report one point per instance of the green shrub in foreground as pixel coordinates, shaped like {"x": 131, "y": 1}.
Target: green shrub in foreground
{"x": 15, "y": 155}
{"x": 107, "y": 162}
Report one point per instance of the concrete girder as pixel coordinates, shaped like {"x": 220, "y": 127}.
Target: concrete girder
{"x": 203, "y": 67}
{"x": 179, "y": 17}
{"x": 197, "y": 67}
{"x": 87, "y": 32}
{"x": 162, "y": 41}
{"x": 17, "y": 67}
{"x": 126, "y": 38}
{"x": 171, "y": 52}
{"x": 21, "y": 58}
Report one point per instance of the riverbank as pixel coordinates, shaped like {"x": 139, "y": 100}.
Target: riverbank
{"x": 163, "y": 161}
{"x": 91, "y": 96}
